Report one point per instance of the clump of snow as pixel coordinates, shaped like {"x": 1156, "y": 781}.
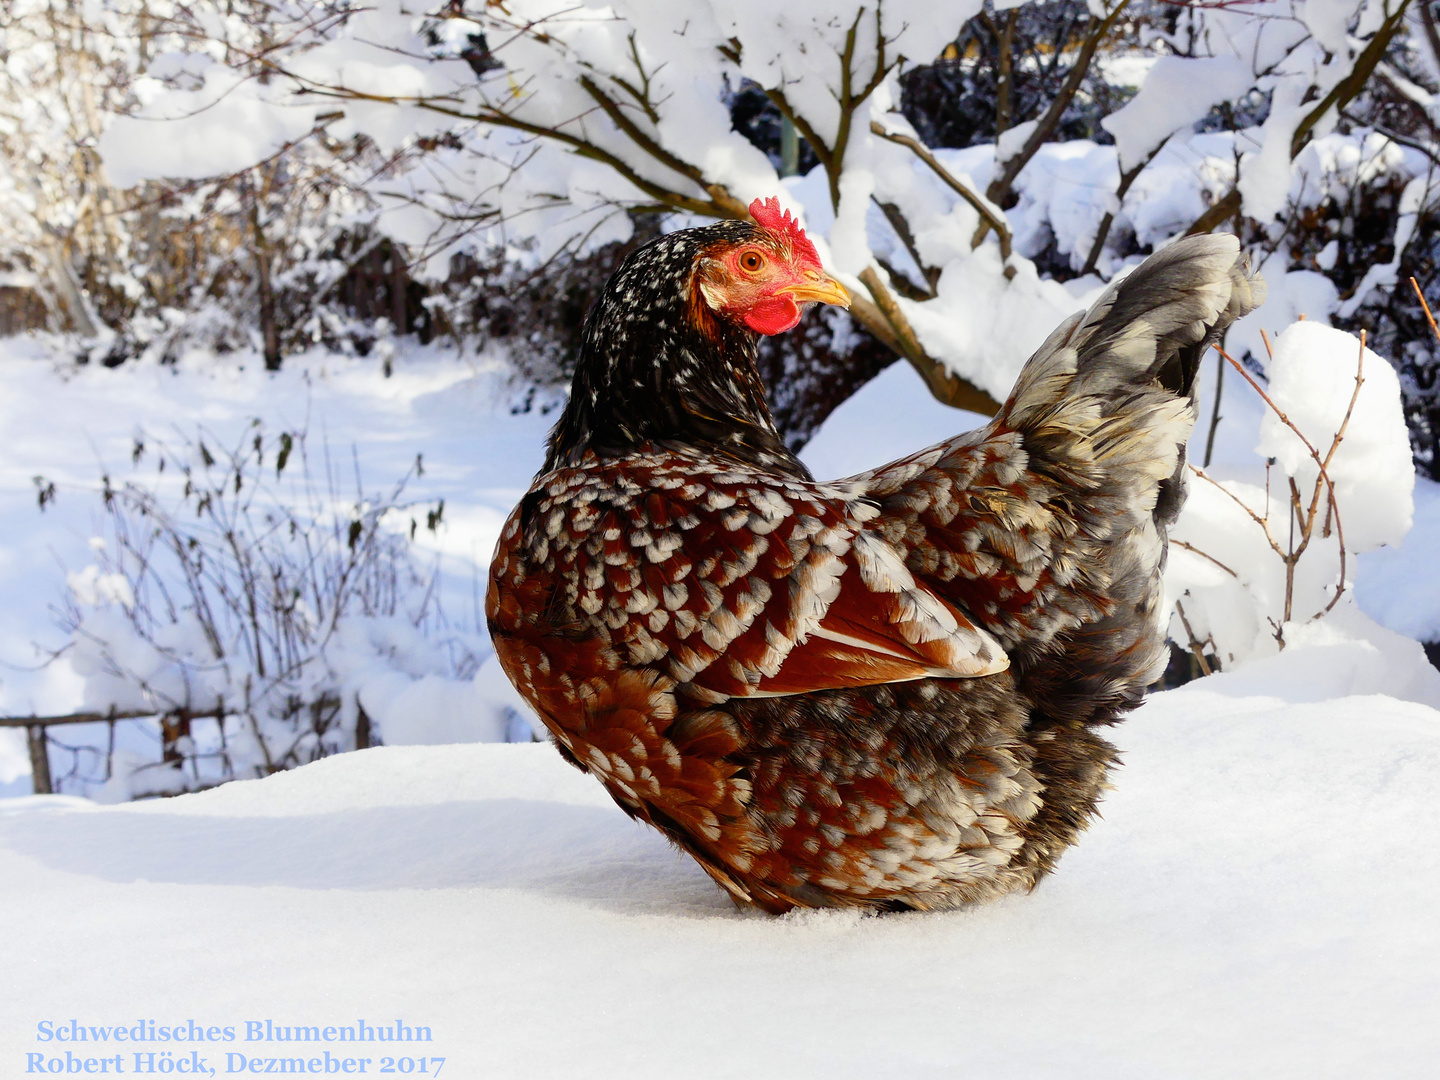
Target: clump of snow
{"x": 95, "y": 589}
{"x": 1178, "y": 91}
{"x": 1012, "y": 140}
{"x": 1398, "y": 585}
{"x": 1312, "y": 378}
{"x": 224, "y": 125}
{"x": 1345, "y": 654}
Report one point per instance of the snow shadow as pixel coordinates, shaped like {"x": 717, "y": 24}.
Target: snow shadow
{"x": 585, "y": 854}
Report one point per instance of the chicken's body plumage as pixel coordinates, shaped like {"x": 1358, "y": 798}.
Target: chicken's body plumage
{"x": 880, "y": 692}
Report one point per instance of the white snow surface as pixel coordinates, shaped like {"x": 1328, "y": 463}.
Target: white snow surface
{"x": 1178, "y": 91}
{"x": 1255, "y": 902}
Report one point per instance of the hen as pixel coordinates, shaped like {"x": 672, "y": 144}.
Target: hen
{"x": 880, "y": 692}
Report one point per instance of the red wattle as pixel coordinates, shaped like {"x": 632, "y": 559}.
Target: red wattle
{"x": 773, "y": 315}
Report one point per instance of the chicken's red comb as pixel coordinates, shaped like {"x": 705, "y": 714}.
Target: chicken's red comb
{"x": 767, "y": 214}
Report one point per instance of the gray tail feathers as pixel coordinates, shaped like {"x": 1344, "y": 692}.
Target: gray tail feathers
{"x": 1108, "y": 400}
{"x": 1151, "y": 328}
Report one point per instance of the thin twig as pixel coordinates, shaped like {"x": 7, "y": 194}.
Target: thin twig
{"x": 1215, "y": 411}
{"x": 1340, "y": 434}
{"x": 1284, "y": 419}
{"x": 1262, "y": 522}
{"x": 1196, "y": 551}
{"x": 1299, "y": 514}
{"x": 993, "y": 217}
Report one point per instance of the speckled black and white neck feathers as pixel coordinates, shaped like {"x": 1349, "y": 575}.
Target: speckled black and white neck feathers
{"x": 657, "y": 367}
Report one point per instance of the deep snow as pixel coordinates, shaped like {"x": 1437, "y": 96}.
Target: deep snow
{"x": 1256, "y": 902}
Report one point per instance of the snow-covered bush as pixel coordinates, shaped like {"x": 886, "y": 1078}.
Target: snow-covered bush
{"x": 1261, "y": 552}
{"x": 268, "y": 150}
{"x": 543, "y": 130}
{"x": 247, "y": 586}
{"x": 62, "y": 77}
{"x": 217, "y": 259}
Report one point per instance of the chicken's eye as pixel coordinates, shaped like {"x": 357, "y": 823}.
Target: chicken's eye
{"x": 751, "y": 261}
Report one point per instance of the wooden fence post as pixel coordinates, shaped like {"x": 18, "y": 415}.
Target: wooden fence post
{"x": 174, "y": 726}
{"x": 39, "y": 759}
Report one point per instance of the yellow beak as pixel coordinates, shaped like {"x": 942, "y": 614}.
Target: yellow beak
{"x": 821, "y": 288}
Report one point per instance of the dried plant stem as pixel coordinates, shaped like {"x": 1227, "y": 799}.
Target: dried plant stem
{"x": 1426, "y": 307}
{"x": 262, "y": 566}
{"x": 1263, "y": 522}
{"x": 1215, "y": 411}
{"x": 1195, "y": 647}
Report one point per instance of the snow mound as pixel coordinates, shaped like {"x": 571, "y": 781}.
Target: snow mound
{"x": 1313, "y": 377}
{"x": 1255, "y": 902}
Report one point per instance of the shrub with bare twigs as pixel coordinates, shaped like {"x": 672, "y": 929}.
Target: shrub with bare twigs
{"x": 1255, "y": 561}
{"x": 250, "y": 586}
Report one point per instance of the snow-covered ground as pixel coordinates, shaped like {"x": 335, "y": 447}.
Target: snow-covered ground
{"x": 1256, "y": 902}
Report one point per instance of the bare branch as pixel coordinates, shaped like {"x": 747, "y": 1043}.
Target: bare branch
{"x": 987, "y": 210}
{"x": 1251, "y": 514}
{"x": 999, "y": 189}
{"x": 1196, "y": 551}
{"x": 726, "y": 205}
{"x": 1426, "y": 307}
{"x": 1340, "y": 95}
{"x": 1127, "y": 178}
{"x": 944, "y": 385}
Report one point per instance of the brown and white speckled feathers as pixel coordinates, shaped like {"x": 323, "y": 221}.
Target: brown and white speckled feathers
{"x": 879, "y": 692}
